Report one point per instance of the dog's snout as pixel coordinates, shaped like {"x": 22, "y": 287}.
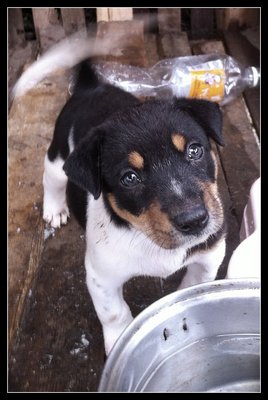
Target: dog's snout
{"x": 192, "y": 221}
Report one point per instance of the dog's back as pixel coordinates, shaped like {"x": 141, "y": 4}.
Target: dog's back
{"x": 90, "y": 104}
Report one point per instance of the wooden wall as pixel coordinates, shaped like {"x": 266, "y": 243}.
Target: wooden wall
{"x": 52, "y": 24}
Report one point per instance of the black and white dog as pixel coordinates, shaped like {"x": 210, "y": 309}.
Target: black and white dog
{"x": 141, "y": 178}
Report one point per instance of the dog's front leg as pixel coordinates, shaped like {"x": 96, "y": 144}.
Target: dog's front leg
{"x": 204, "y": 265}
{"x": 107, "y": 296}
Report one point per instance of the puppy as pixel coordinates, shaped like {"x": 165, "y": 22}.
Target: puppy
{"x": 141, "y": 179}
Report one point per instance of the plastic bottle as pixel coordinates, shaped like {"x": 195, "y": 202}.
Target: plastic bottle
{"x": 213, "y": 77}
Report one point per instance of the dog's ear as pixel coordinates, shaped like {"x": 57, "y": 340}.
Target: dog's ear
{"x": 83, "y": 166}
{"x": 208, "y": 114}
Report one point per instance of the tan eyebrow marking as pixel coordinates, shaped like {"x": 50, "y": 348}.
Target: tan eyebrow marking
{"x": 136, "y": 160}
{"x": 178, "y": 141}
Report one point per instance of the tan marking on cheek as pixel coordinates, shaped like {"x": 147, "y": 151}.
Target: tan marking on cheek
{"x": 126, "y": 215}
{"x": 215, "y": 163}
{"x": 152, "y": 222}
{"x": 136, "y": 160}
{"x": 178, "y": 141}
{"x": 158, "y": 218}
{"x": 212, "y": 200}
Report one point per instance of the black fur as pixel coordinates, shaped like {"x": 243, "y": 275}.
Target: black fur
{"x": 109, "y": 124}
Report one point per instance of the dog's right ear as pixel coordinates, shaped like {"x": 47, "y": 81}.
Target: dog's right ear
{"x": 83, "y": 166}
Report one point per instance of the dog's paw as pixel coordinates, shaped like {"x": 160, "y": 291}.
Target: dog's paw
{"x": 56, "y": 217}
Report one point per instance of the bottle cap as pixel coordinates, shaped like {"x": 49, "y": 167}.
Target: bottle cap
{"x": 256, "y": 75}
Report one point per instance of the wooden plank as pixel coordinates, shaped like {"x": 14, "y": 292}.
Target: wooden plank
{"x": 29, "y": 280}
{"x": 120, "y": 14}
{"x": 202, "y": 23}
{"x": 237, "y": 18}
{"x": 102, "y": 14}
{"x": 114, "y": 14}
{"x": 18, "y": 56}
{"x": 16, "y": 34}
{"x": 239, "y": 47}
{"x": 174, "y": 45}
{"x": 60, "y": 346}
{"x": 150, "y": 45}
{"x": 169, "y": 20}
{"x": 233, "y": 227}
{"x": 149, "y": 18}
{"x": 31, "y": 124}
{"x": 129, "y": 38}
{"x": 241, "y": 156}
{"x": 73, "y": 20}
{"x": 252, "y": 35}
{"x": 47, "y": 27}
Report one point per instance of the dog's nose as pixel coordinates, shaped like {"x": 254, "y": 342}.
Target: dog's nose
{"x": 192, "y": 221}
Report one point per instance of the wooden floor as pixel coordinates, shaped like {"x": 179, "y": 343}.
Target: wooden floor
{"x": 55, "y": 338}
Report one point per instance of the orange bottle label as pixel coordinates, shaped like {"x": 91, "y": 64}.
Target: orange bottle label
{"x": 207, "y": 84}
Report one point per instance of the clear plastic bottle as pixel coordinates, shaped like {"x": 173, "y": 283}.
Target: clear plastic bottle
{"x": 213, "y": 77}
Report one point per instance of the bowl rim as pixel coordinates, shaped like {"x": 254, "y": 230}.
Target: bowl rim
{"x": 179, "y": 296}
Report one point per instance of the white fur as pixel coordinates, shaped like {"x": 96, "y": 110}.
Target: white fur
{"x": 71, "y": 140}
{"x": 55, "y": 209}
{"x": 66, "y": 54}
{"x": 114, "y": 255}
{"x": 176, "y": 187}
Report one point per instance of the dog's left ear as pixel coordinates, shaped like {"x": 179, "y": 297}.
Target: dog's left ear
{"x": 83, "y": 166}
{"x": 208, "y": 114}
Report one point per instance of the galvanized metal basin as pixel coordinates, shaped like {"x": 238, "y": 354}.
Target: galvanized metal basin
{"x": 202, "y": 339}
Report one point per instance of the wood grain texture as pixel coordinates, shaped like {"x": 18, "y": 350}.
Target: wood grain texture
{"x": 73, "y": 20}
{"x": 249, "y": 56}
{"x": 31, "y": 125}
{"x": 16, "y": 34}
{"x": 114, "y": 14}
{"x": 48, "y": 28}
{"x": 169, "y": 20}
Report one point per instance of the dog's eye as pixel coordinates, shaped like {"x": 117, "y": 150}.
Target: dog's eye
{"x": 130, "y": 179}
{"x": 195, "y": 151}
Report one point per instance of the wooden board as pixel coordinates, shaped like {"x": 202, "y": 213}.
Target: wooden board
{"x": 47, "y": 27}
{"x": 237, "y": 18}
{"x": 239, "y": 47}
{"x": 73, "y": 20}
{"x": 16, "y": 34}
{"x": 169, "y": 20}
{"x": 18, "y": 57}
{"x": 174, "y": 45}
{"x": 31, "y": 124}
{"x": 129, "y": 37}
{"x": 202, "y": 23}
{"x": 114, "y": 14}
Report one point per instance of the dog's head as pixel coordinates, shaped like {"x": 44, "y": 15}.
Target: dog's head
{"x": 154, "y": 166}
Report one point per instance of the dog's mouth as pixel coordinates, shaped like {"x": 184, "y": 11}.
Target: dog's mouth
{"x": 189, "y": 227}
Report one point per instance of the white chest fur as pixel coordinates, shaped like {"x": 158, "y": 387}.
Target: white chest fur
{"x": 128, "y": 252}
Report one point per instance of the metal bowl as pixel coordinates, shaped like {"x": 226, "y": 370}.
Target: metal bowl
{"x": 202, "y": 339}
